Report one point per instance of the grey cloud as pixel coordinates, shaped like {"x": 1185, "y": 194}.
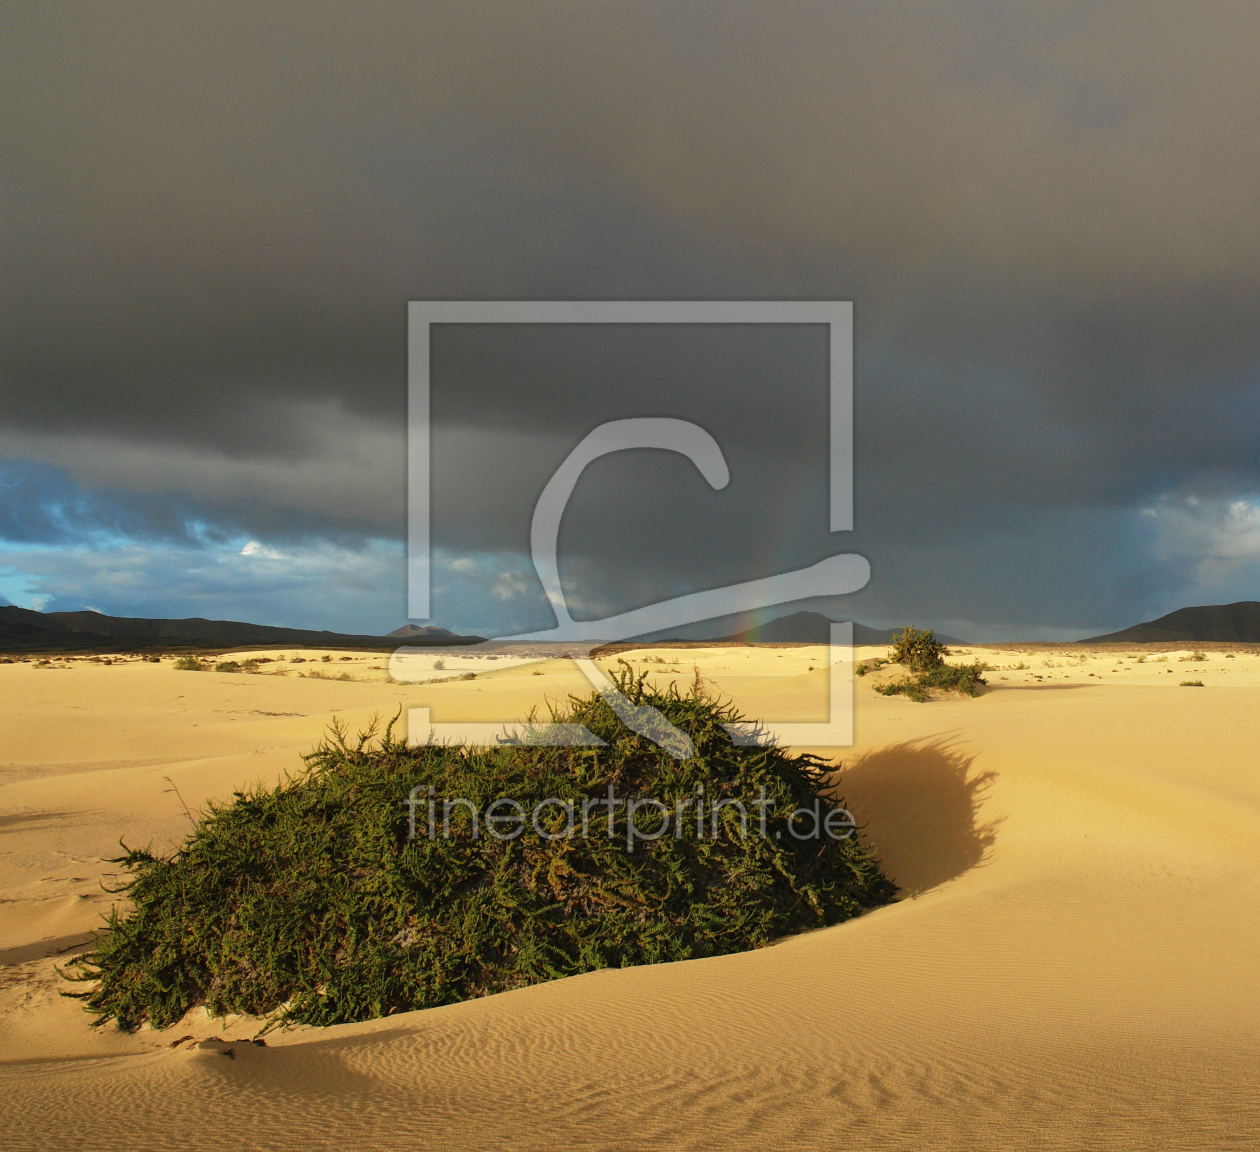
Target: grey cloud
{"x": 323, "y": 469}
{"x": 1045, "y": 215}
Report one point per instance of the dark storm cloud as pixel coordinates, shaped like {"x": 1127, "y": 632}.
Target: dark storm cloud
{"x": 1045, "y": 215}
{"x": 40, "y": 505}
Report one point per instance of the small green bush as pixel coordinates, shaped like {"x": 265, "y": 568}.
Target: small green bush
{"x": 920, "y": 651}
{"x": 312, "y": 903}
{"x": 1190, "y": 684}
{"x": 903, "y": 687}
{"x": 191, "y": 664}
{"x": 964, "y": 678}
{"x": 227, "y": 666}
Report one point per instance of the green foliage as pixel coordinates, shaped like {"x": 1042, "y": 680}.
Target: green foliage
{"x": 920, "y": 651}
{"x": 191, "y": 664}
{"x": 227, "y": 666}
{"x": 964, "y": 678}
{"x": 311, "y": 903}
{"x": 903, "y": 687}
{"x": 1190, "y": 684}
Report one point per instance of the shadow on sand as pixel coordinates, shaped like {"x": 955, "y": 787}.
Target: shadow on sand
{"x": 918, "y": 803}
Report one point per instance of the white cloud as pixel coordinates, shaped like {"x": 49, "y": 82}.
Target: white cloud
{"x": 254, "y": 548}
{"x": 509, "y": 586}
{"x": 1217, "y": 540}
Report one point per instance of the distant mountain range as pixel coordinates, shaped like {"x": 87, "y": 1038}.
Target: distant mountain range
{"x": 22, "y": 630}
{"x": 1219, "y": 623}
{"x": 813, "y": 628}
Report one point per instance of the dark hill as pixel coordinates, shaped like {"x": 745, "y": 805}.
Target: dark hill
{"x": 1219, "y": 623}
{"x": 22, "y": 630}
{"x": 427, "y": 634}
{"x": 813, "y": 628}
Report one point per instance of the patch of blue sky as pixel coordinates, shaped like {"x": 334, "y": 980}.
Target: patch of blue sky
{"x": 316, "y": 585}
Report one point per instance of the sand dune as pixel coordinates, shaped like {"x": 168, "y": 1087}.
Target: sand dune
{"x": 1074, "y": 965}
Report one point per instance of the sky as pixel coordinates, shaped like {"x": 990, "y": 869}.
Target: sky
{"x": 1045, "y": 216}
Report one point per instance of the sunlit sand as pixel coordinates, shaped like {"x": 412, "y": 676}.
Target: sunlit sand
{"x": 1073, "y": 964}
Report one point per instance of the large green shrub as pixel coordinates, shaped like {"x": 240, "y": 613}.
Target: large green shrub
{"x": 312, "y": 902}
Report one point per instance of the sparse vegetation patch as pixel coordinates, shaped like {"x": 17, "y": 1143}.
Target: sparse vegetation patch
{"x": 964, "y": 678}
{"x": 924, "y": 655}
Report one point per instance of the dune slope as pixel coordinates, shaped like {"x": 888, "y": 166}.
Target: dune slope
{"x": 1074, "y": 964}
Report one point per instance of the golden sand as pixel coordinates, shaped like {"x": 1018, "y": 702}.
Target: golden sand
{"x": 1075, "y": 964}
